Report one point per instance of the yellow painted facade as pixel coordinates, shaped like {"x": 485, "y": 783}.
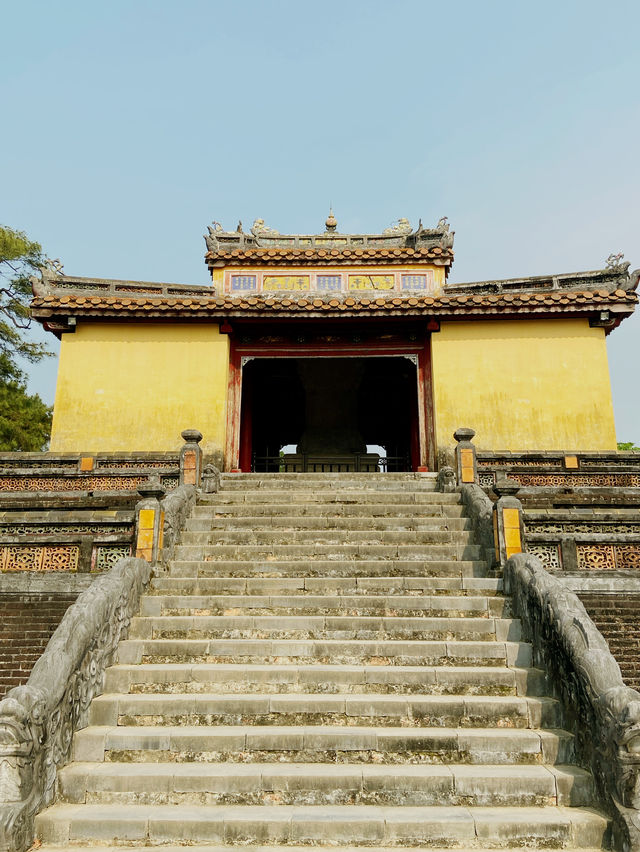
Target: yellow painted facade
{"x": 136, "y": 386}
{"x": 523, "y": 384}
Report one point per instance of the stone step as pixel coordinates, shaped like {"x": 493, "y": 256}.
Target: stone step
{"x": 323, "y": 627}
{"x": 346, "y": 525}
{"x": 203, "y": 847}
{"x": 490, "y": 586}
{"x": 490, "y": 676}
{"x": 264, "y": 483}
{"x": 367, "y": 511}
{"x": 270, "y": 537}
{"x": 453, "y": 711}
{"x": 311, "y": 476}
{"x": 314, "y": 604}
{"x": 550, "y": 828}
{"x": 322, "y": 743}
{"x": 329, "y": 497}
{"x": 456, "y": 550}
{"x": 272, "y": 567}
{"x": 322, "y": 783}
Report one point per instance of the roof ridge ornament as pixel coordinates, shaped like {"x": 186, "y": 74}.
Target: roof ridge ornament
{"x": 615, "y": 263}
{"x": 399, "y": 227}
{"x": 259, "y": 229}
{"x": 331, "y": 222}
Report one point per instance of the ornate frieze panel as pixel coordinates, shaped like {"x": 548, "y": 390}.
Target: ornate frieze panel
{"x": 332, "y": 280}
{"x": 105, "y": 556}
{"x": 578, "y": 480}
{"x": 66, "y": 529}
{"x": 548, "y": 554}
{"x": 608, "y": 557}
{"x": 581, "y": 527}
{"x": 62, "y": 557}
{"x": 79, "y": 483}
{"x": 137, "y": 465}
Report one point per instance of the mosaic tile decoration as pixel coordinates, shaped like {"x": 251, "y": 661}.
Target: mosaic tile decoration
{"x": 329, "y": 282}
{"x": 413, "y": 282}
{"x": 244, "y": 282}
{"x": 286, "y": 282}
{"x": 371, "y": 282}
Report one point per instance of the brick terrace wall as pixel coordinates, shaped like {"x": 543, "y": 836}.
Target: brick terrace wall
{"x": 617, "y": 616}
{"x": 27, "y": 621}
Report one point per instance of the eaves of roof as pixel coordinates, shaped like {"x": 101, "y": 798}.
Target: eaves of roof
{"x": 280, "y": 256}
{"x": 495, "y": 305}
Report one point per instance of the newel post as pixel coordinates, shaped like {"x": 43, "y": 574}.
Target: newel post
{"x": 466, "y": 460}
{"x": 508, "y": 522}
{"x": 191, "y": 458}
{"x": 150, "y": 521}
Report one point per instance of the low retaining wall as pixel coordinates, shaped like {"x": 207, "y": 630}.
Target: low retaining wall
{"x": 37, "y": 720}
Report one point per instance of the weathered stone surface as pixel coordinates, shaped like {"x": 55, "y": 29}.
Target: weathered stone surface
{"x": 370, "y": 689}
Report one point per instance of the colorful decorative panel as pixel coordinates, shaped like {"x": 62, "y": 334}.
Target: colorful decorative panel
{"x": 286, "y": 282}
{"x": 511, "y": 520}
{"x": 329, "y": 282}
{"x": 422, "y": 281}
{"x": 244, "y": 282}
{"x": 466, "y": 458}
{"x": 371, "y": 282}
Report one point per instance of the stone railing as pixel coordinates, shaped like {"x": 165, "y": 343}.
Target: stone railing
{"x": 601, "y": 712}
{"x": 560, "y": 470}
{"x": 37, "y": 720}
{"x": 585, "y": 539}
{"x": 80, "y": 541}
{"x": 78, "y": 472}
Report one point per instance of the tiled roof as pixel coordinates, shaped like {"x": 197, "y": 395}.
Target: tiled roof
{"x": 396, "y": 244}
{"x": 437, "y": 255}
{"x": 212, "y": 306}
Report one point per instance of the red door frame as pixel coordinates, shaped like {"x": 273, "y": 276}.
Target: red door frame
{"x": 238, "y": 437}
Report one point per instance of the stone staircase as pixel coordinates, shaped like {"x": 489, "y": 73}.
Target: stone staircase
{"x": 326, "y": 663}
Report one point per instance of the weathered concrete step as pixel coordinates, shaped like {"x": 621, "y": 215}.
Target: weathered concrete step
{"x": 363, "y": 604}
{"x": 312, "y": 476}
{"x": 367, "y": 511}
{"x": 445, "y": 679}
{"x": 322, "y": 783}
{"x": 319, "y": 485}
{"x": 328, "y": 497}
{"x": 460, "y": 711}
{"x": 322, "y": 743}
{"x": 323, "y": 627}
{"x": 326, "y": 585}
{"x": 536, "y": 827}
{"x": 420, "y": 523}
{"x": 342, "y": 552}
{"x": 202, "y": 847}
{"x": 435, "y": 567}
{"x": 255, "y": 537}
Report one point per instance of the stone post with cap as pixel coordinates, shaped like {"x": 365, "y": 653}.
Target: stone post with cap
{"x": 508, "y": 521}
{"x": 191, "y": 458}
{"x": 466, "y": 459}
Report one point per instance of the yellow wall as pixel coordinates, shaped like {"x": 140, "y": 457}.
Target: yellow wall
{"x": 137, "y": 386}
{"x": 523, "y": 385}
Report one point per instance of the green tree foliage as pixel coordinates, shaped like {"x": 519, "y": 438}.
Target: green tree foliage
{"x": 627, "y": 447}
{"x": 25, "y": 421}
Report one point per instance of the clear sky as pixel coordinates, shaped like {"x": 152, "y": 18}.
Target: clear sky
{"x": 129, "y": 126}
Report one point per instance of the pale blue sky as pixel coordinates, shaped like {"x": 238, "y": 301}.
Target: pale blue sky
{"x": 129, "y": 126}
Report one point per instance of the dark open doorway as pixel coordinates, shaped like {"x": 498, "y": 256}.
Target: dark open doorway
{"x": 329, "y": 414}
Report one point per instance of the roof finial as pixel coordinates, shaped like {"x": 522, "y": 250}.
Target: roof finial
{"x": 331, "y": 224}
